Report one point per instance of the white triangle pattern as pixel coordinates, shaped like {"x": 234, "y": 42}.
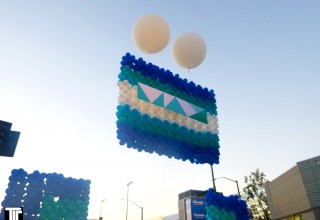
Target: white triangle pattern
{"x": 153, "y": 94}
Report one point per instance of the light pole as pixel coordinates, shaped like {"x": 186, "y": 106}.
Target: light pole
{"x": 214, "y": 184}
{"x": 128, "y": 198}
{"x": 137, "y": 206}
{"x": 236, "y": 181}
{"x": 100, "y": 218}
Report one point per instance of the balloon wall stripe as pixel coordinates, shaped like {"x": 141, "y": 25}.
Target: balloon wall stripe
{"x": 128, "y": 96}
{"x": 134, "y": 77}
{"x": 165, "y": 128}
{"x": 219, "y": 213}
{"x": 167, "y": 77}
{"x": 151, "y": 143}
{"x": 219, "y": 206}
{"x": 161, "y": 113}
{"x": 47, "y": 196}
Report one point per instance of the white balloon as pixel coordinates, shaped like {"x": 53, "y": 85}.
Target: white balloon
{"x": 189, "y": 50}
{"x": 151, "y": 33}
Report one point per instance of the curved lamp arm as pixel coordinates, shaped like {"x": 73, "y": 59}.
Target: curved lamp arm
{"x": 236, "y": 181}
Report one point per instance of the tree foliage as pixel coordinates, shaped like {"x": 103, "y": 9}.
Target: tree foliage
{"x": 256, "y": 195}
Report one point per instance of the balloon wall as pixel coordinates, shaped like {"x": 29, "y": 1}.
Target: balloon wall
{"x": 220, "y": 207}
{"x": 163, "y": 113}
{"x": 47, "y": 196}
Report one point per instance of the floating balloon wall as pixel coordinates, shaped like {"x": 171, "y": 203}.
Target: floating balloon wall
{"x": 219, "y": 207}
{"x": 163, "y": 113}
{"x": 47, "y": 196}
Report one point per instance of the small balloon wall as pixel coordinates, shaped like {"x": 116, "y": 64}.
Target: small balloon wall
{"x": 47, "y": 196}
{"x": 163, "y": 113}
{"x": 219, "y": 207}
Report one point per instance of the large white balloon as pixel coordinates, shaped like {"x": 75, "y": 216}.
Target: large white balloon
{"x": 189, "y": 50}
{"x": 151, "y": 33}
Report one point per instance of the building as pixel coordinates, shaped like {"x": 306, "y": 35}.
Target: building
{"x": 295, "y": 195}
{"x": 191, "y": 205}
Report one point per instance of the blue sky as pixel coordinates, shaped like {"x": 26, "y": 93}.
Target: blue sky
{"x": 59, "y": 62}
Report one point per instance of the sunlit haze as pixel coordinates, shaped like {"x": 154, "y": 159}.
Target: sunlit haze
{"x": 59, "y": 66}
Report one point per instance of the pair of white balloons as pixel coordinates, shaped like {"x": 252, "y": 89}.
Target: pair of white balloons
{"x": 151, "y": 34}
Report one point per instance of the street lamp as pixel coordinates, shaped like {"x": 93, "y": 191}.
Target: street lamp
{"x": 100, "y": 218}
{"x": 137, "y": 206}
{"x": 128, "y": 198}
{"x": 236, "y": 181}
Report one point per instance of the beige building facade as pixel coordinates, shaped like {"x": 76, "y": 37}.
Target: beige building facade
{"x": 295, "y": 195}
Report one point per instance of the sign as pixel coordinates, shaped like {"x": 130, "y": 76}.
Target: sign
{"x": 195, "y": 209}
{"x": 13, "y": 213}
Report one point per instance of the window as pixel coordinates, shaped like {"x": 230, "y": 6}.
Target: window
{"x": 296, "y": 217}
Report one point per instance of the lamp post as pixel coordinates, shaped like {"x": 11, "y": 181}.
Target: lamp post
{"x": 100, "y": 218}
{"x": 236, "y": 181}
{"x": 214, "y": 184}
{"x": 137, "y": 206}
{"x": 128, "y": 198}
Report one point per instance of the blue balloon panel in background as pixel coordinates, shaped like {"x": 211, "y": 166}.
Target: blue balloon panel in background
{"x": 220, "y": 207}
{"x": 47, "y": 196}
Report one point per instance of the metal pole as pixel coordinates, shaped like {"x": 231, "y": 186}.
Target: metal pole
{"x": 236, "y": 181}
{"x": 238, "y": 189}
{"x": 141, "y": 213}
{"x": 214, "y": 184}
{"x": 127, "y": 202}
{"x": 128, "y": 198}
{"x": 100, "y": 218}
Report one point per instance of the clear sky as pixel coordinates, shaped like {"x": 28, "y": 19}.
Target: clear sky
{"x": 59, "y": 62}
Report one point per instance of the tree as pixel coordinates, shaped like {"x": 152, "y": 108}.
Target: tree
{"x": 256, "y": 195}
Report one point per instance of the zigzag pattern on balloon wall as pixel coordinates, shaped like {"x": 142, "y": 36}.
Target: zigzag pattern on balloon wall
{"x": 172, "y": 84}
{"x": 160, "y": 112}
{"x": 167, "y": 101}
{"x": 129, "y": 96}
